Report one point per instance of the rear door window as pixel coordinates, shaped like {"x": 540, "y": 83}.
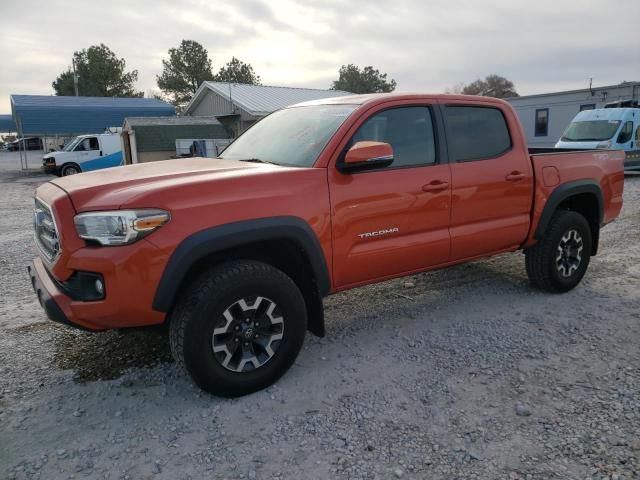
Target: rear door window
{"x": 476, "y": 133}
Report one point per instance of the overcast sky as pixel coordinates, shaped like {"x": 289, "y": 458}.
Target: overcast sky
{"x": 427, "y": 45}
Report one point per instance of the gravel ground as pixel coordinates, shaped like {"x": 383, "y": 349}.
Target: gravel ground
{"x": 462, "y": 373}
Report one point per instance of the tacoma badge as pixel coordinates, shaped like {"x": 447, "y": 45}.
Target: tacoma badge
{"x": 379, "y": 233}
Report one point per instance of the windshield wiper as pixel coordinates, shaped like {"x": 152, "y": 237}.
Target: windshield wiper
{"x": 257, "y": 160}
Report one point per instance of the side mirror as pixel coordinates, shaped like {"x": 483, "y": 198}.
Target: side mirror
{"x": 367, "y": 155}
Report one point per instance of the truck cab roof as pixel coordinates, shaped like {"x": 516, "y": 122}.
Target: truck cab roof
{"x": 374, "y": 98}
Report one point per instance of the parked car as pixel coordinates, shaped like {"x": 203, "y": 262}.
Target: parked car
{"x": 607, "y": 128}
{"x": 84, "y": 154}
{"x": 237, "y": 254}
{"x": 28, "y": 143}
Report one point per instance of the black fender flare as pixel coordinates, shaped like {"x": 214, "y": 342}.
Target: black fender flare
{"x": 222, "y": 237}
{"x": 564, "y": 192}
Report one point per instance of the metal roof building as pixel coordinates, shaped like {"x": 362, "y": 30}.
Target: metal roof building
{"x": 147, "y": 139}
{"x": 240, "y": 105}
{"x": 7, "y": 124}
{"x": 42, "y": 115}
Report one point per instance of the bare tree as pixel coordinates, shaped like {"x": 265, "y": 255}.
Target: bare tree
{"x": 456, "y": 89}
{"x": 491, "y": 86}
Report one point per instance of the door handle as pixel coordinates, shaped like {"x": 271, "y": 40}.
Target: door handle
{"x": 515, "y": 176}
{"x": 435, "y": 186}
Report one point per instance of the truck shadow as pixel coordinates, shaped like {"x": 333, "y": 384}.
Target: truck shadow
{"x": 107, "y": 355}
{"x": 413, "y": 296}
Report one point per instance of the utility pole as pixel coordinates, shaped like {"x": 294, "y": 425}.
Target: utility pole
{"x": 75, "y": 76}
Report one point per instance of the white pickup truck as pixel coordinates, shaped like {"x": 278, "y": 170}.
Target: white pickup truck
{"x": 85, "y": 153}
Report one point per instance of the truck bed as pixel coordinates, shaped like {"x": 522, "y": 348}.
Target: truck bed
{"x": 555, "y": 167}
{"x": 551, "y": 150}
{"x": 631, "y": 162}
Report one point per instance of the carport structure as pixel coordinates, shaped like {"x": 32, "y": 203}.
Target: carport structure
{"x": 59, "y": 116}
{"x": 7, "y": 125}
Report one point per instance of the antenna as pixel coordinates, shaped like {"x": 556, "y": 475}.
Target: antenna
{"x": 75, "y": 76}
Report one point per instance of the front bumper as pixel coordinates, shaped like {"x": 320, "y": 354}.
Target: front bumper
{"x": 130, "y": 275}
{"x": 49, "y": 166}
{"x": 47, "y": 292}
{"x": 632, "y": 164}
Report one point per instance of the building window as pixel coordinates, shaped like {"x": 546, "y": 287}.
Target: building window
{"x": 542, "y": 122}
{"x": 588, "y": 106}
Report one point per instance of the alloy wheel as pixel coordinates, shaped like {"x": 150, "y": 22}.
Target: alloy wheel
{"x": 248, "y": 334}
{"x": 569, "y": 253}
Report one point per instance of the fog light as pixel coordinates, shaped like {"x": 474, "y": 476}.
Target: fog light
{"x": 99, "y": 287}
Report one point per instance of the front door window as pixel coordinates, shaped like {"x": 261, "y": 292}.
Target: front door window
{"x": 88, "y": 144}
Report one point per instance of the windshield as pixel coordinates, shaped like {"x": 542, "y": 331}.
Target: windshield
{"x": 591, "y": 131}
{"x": 292, "y": 136}
{"x": 71, "y": 145}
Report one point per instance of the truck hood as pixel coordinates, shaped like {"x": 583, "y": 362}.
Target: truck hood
{"x": 120, "y": 187}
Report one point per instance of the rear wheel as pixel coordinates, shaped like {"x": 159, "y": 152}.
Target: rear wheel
{"x": 560, "y": 259}
{"x": 69, "y": 169}
{"x": 238, "y": 327}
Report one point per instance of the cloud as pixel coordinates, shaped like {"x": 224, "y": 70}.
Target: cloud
{"x": 423, "y": 45}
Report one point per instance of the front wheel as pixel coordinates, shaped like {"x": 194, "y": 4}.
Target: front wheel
{"x": 69, "y": 169}
{"x": 560, "y": 259}
{"x": 238, "y": 327}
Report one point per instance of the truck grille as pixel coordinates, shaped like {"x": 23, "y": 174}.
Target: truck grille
{"x": 46, "y": 232}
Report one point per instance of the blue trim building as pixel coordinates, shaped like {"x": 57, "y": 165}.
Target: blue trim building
{"x": 41, "y": 115}
{"x": 7, "y": 125}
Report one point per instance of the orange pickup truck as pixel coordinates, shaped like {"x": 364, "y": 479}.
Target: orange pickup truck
{"x": 236, "y": 254}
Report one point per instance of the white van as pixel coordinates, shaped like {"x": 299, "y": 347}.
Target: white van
{"x": 85, "y": 153}
{"x": 607, "y": 128}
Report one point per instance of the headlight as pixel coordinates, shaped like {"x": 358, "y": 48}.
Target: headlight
{"x": 119, "y": 227}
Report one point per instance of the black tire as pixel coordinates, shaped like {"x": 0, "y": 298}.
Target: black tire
{"x": 555, "y": 264}
{"x": 69, "y": 169}
{"x": 202, "y": 307}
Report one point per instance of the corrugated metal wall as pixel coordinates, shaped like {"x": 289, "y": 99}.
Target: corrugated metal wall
{"x": 212, "y": 104}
